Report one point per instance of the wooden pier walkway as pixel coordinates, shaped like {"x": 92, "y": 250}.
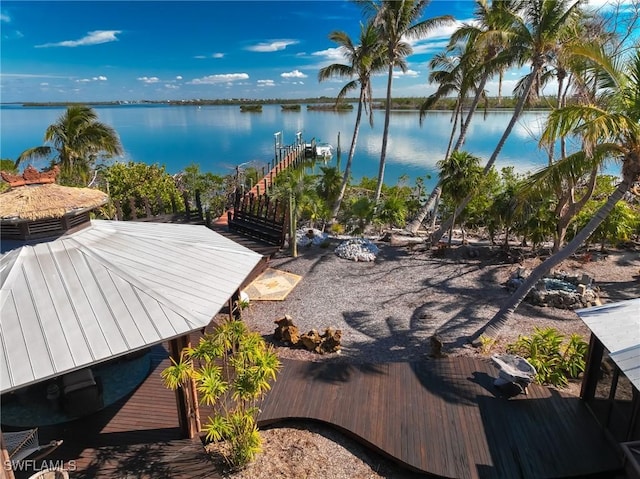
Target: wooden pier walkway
{"x": 288, "y": 156}
{"x": 440, "y": 417}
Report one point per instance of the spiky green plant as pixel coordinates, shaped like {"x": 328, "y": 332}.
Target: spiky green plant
{"x": 555, "y": 361}
{"x": 233, "y": 369}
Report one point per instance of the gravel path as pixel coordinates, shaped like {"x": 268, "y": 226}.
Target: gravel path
{"x": 388, "y": 309}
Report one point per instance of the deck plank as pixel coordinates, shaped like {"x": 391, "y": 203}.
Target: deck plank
{"x": 443, "y": 417}
{"x": 440, "y": 417}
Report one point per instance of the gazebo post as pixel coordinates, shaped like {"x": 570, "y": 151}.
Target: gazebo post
{"x": 592, "y": 369}
{"x": 186, "y": 396}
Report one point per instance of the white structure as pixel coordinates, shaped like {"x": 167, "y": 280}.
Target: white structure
{"x": 107, "y": 290}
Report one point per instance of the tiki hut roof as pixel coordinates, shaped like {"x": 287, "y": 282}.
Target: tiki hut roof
{"x": 44, "y": 201}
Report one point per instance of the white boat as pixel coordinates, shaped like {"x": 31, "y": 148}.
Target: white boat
{"x": 324, "y": 150}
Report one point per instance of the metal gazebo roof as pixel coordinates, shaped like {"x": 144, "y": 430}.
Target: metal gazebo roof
{"x": 617, "y": 326}
{"x": 108, "y": 289}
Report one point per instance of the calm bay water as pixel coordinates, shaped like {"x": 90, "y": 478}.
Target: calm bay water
{"x": 220, "y": 137}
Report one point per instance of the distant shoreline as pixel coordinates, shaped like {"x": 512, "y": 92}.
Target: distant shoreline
{"x": 411, "y": 104}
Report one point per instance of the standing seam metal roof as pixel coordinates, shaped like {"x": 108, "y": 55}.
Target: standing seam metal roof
{"x": 617, "y": 326}
{"x": 109, "y": 289}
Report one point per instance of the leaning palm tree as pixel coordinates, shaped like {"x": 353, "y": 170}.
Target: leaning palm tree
{"x": 484, "y": 41}
{"x": 609, "y": 130}
{"x": 451, "y": 72}
{"x": 364, "y": 60}
{"x": 398, "y": 21}
{"x": 535, "y": 39}
{"x": 77, "y": 140}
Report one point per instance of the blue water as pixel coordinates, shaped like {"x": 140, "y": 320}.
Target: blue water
{"x": 220, "y": 137}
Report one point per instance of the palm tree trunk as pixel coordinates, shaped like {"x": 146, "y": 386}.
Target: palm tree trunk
{"x": 414, "y": 225}
{"x": 434, "y": 213}
{"x": 516, "y": 114}
{"x": 494, "y": 326}
{"x": 472, "y": 110}
{"x": 385, "y": 136}
{"x": 347, "y": 168}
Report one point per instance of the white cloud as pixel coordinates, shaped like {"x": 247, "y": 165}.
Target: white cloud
{"x": 87, "y": 80}
{"x": 179, "y": 77}
{"x": 29, "y": 75}
{"x": 92, "y": 38}
{"x": 148, "y": 79}
{"x": 408, "y": 73}
{"x": 217, "y": 79}
{"x": 272, "y": 46}
{"x": 332, "y": 55}
{"x": 171, "y": 87}
{"x": 44, "y": 83}
{"x": 430, "y": 47}
{"x": 213, "y": 55}
{"x": 5, "y": 18}
{"x": 293, "y": 74}
{"x": 265, "y": 83}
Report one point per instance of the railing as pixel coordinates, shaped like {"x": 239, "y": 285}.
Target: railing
{"x": 258, "y": 217}
{"x": 286, "y": 156}
{"x": 143, "y": 209}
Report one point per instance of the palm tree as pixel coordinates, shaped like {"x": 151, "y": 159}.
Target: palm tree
{"x": 398, "y": 21}
{"x": 484, "y": 40}
{"x": 77, "y": 140}
{"x": 609, "y": 131}
{"x": 298, "y": 190}
{"x": 364, "y": 59}
{"x": 459, "y": 173}
{"x": 534, "y": 38}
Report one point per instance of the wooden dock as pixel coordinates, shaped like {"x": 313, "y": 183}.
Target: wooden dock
{"x": 440, "y": 417}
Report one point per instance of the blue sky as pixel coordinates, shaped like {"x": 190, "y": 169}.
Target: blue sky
{"x": 164, "y": 50}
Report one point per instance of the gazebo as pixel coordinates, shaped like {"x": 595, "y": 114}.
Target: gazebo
{"x": 75, "y": 292}
{"x": 611, "y": 383}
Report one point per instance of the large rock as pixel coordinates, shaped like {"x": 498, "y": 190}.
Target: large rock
{"x": 328, "y": 342}
{"x": 286, "y": 331}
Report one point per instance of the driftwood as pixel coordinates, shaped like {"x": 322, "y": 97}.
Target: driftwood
{"x": 400, "y": 240}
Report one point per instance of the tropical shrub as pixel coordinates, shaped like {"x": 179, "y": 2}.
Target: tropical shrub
{"x": 232, "y": 369}
{"x": 9, "y": 166}
{"x": 619, "y": 225}
{"x": 213, "y": 189}
{"x": 555, "y": 361}
{"x": 123, "y": 181}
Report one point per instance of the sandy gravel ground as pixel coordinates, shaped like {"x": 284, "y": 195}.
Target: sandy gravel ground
{"x": 387, "y": 310}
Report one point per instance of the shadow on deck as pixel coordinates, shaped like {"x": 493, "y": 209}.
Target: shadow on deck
{"x": 440, "y": 417}
{"x": 443, "y": 417}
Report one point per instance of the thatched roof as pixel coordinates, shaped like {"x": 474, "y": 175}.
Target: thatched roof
{"x": 44, "y": 201}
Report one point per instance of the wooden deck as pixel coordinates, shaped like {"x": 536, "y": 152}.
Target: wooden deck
{"x": 440, "y": 417}
{"x": 137, "y": 437}
{"x": 443, "y": 417}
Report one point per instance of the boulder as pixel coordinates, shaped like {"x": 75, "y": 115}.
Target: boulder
{"x": 311, "y": 341}
{"x": 331, "y": 340}
{"x": 286, "y": 331}
{"x": 328, "y": 342}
